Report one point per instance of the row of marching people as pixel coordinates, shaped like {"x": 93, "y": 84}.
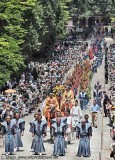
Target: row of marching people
{"x": 51, "y": 105}
{"x": 13, "y": 129}
{"x": 98, "y": 94}
{"x": 67, "y": 101}
{"x": 61, "y": 131}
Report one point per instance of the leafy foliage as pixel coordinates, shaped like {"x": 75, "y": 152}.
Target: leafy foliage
{"x": 12, "y": 35}
{"x": 47, "y": 23}
{"x": 28, "y": 28}
{"x": 88, "y": 8}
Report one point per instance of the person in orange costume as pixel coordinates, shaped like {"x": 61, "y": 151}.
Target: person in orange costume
{"x": 58, "y": 91}
{"x": 65, "y": 106}
{"x": 68, "y": 95}
{"x": 51, "y": 107}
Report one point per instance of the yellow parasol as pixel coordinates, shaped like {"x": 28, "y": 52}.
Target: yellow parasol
{"x": 113, "y": 107}
{"x": 10, "y": 91}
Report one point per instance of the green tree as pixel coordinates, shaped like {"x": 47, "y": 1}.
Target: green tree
{"x": 88, "y": 8}
{"x": 46, "y": 25}
{"x": 29, "y": 28}
{"x": 12, "y": 34}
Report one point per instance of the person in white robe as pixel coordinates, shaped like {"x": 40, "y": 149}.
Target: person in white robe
{"x": 69, "y": 127}
{"x": 76, "y": 114}
{"x": 43, "y": 105}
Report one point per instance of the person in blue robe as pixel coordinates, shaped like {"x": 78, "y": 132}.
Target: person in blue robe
{"x": 38, "y": 131}
{"x": 97, "y": 94}
{"x": 97, "y": 85}
{"x": 87, "y": 99}
{"x": 83, "y": 100}
{"x": 9, "y": 132}
{"x": 58, "y": 133}
{"x": 83, "y": 133}
{"x": 94, "y": 68}
{"x": 86, "y": 117}
{"x": 31, "y": 129}
{"x": 19, "y": 130}
{"x": 54, "y": 120}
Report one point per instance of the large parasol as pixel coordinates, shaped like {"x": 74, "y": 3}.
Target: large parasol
{"x": 10, "y": 91}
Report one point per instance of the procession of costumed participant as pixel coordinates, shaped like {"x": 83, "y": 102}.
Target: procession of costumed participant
{"x": 58, "y": 91}
{"x": 68, "y": 95}
{"x": 85, "y": 83}
{"x": 66, "y": 106}
{"x": 76, "y": 78}
{"x": 88, "y": 70}
{"x": 51, "y": 107}
{"x": 91, "y": 55}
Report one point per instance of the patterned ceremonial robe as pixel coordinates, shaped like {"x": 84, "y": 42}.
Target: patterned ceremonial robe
{"x": 38, "y": 129}
{"x": 83, "y": 100}
{"x": 50, "y": 108}
{"x": 31, "y": 129}
{"x": 97, "y": 86}
{"x": 50, "y": 102}
{"x": 66, "y": 106}
{"x": 98, "y": 96}
{"x": 84, "y": 134}
{"x": 63, "y": 119}
{"x": 58, "y": 89}
{"x": 9, "y": 131}
{"x": 68, "y": 95}
{"x": 58, "y": 131}
{"x": 19, "y": 127}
